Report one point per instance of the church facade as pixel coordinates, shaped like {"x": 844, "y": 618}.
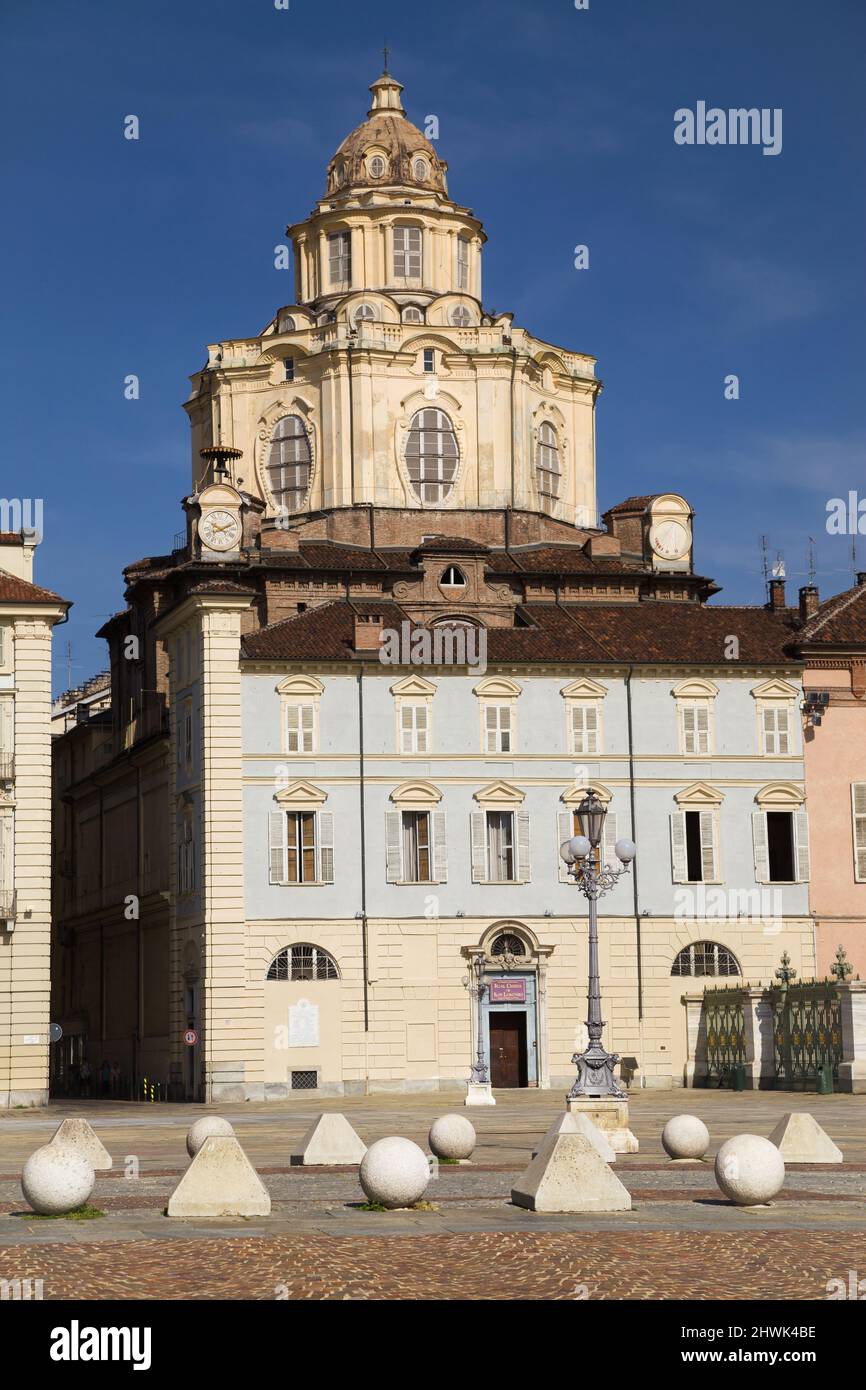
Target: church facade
{"x": 353, "y": 716}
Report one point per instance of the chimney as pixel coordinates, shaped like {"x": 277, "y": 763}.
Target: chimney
{"x": 368, "y": 629}
{"x": 861, "y": 578}
{"x": 808, "y": 602}
{"x": 777, "y": 595}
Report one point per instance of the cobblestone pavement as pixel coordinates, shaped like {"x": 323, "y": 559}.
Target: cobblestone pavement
{"x": 486, "y": 1265}
{"x": 681, "y": 1239}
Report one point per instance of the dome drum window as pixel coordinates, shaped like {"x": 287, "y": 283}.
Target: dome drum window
{"x": 547, "y": 464}
{"x": 460, "y": 316}
{"x": 365, "y": 313}
{"x": 412, "y": 314}
{"x": 377, "y": 167}
{"x": 302, "y": 962}
{"x": 420, "y": 168}
{"x": 340, "y": 258}
{"x": 289, "y": 464}
{"x": 407, "y": 253}
{"x": 285, "y": 323}
{"x": 431, "y": 456}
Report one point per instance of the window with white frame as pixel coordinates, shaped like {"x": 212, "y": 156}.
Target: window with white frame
{"x": 547, "y": 465}
{"x": 462, "y": 263}
{"x": 300, "y": 726}
{"x": 414, "y": 727}
{"x": 415, "y": 846}
{"x": 290, "y": 463}
{"x": 431, "y": 455}
{"x": 7, "y": 735}
{"x": 780, "y": 836}
{"x": 7, "y": 862}
{"x": 498, "y": 728}
{"x": 585, "y": 726}
{"x": 301, "y": 847}
{"x": 775, "y": 728}
{"x": 407, "y": 252}
{"x": 460, "y": 316}
{"x": 858, "y": 816}
{"x": 695, "y": 845}
{"x": 695, "y": 726}
{"x": 775, "y": 703}
{"x": 340, "y": 258}
{"x": 500, "y": 846}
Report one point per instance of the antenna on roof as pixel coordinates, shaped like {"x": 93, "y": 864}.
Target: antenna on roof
{"x": 765, "y": 568}
{"x": 779, "y": 566}
{"x": 854, "y": 556}
{"x": 811, "y": 566}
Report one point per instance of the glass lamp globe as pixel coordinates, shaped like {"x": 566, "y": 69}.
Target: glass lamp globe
{"x": 625, "y": 850}
{"x": 565, "y": 852}
{"x": 580, "y": 846}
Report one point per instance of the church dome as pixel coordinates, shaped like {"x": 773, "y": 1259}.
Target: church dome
{"x": 386, "y": 149}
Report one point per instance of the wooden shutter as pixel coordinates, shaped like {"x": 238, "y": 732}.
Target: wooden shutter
{"x": 325, "y": 828}
{"x": 523, "y": 865}
{"x": 393, "y": 847}
{"x": 769, "y": 729}
{"x": 689, "y": 735}
{"x": 420, "y": 728}
{"x": 858, "y": 811}
{"x": 277, "y": 825}
{"x": 491, "y": 725}
{"x": 702, "y": 728}
{"x": 591, "y": 723}
{"x": 478, "y": 827}
{"x": 505, "y": 729}
{"x": 609, "y": 839}
{"x": 7, "y": 726}
{"x": 578, "y": 729}
{"x": 800, "y": 827}
{"x": 293, "y": 732}
{"x": 709, "y": 846}
{"x": 440, "y": 847}
{"x": 679, "y": 858}
{"x": 783, "y": 728}
{"x": 564, "y": 831}
{"x": 761, "y": 847}
{"x": 306, "y": 741}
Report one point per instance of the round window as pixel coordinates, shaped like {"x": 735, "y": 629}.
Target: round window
{"x": 377, "y": 166}
{"x": 420, "y": 169}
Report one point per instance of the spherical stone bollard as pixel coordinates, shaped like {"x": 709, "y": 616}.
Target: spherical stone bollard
{"x": 57, "y": 1179}
{"x": 394, "y": 1172}
{"x": 749, "y": 1170}
{"x": 685, "y": 1136}
{"x": 451, "y": 1136}
{"x": 209, "y": 1127}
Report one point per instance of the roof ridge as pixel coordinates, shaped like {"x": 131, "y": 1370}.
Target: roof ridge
{"x": 816, "y": 622}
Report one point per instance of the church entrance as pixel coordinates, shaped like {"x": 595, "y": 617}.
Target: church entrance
{"x": 508, "y": 1052}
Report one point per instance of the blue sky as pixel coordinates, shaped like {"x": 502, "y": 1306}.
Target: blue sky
{"x": 128, "y": 257}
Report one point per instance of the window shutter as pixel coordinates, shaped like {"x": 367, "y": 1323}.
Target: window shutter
{"x": 609, "y": 838}
{"x": 689, "y": 745}
{"x": 590, "y": 715}
{"x": 393, "y": 847}
{"x": 478, "y": 821}
{"x": 505, "y": 728}
{"x": 578, "y": 729}
{"x": 801, "y": 846}
{"x": 420, "y": 728}
{"x": 702, "y": 726}
{"x": 407, "y": 729}
{"x": 7, "y": 726}
{"x": 491, "y": 725}
{"x": 293, "y": 739}
{"x": 325, "y": 829}
{"x": 523, "y": 867}
{"x": 440, "y": 847}
{"x": 5, "y": 874}
{"x": 679, "y": 860}
{"x": 769, "y": 729}
{"x": 564, "y": 831}
{"x": 709, "y": 847}
{"x": 306, "y": 728}
{"x": 858, "y": 809}
{"x": 762, "y": 852}
{"x": 783, "y": 722}
{"x": 277, "y": 827}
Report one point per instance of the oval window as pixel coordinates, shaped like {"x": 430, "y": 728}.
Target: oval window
{"x": 431, "y": 456}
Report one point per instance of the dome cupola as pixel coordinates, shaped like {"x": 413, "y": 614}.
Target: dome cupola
{"x": 386, "y": 149}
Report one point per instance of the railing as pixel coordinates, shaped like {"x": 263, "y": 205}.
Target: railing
{"x": 7, "y": 767}
{"x": 8, "y": 904}
{"x": 807, "y": 1033}
{"x": 725, "y": 1035}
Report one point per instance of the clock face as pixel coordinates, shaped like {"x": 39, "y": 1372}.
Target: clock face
{"x": 670, "y": 539}
{"x": 220, "y": 530}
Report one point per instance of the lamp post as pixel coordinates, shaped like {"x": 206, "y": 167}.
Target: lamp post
{"x": 594, "y": 878}
{"x": 479, "y": 1091}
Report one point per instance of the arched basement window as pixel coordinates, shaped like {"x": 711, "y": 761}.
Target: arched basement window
{"x": 706, "y": 958}
{"x": 289, "y": 463}
{"x": 302, "y": 962}
{"x": 431, "y": 455}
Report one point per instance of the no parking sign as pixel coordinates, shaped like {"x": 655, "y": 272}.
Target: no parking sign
{"x": 190, "y": 1037}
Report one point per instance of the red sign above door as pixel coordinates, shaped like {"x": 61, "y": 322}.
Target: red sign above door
{"x": 508, "y": 991}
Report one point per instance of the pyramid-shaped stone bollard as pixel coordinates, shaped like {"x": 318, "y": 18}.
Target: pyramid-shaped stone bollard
{"x": 330, "y": 1140}
{"x": 567, "y": 1174}
{"x": 79, "y": 1135}
{"x": 580, "y": 1124}
{"x": 220, "y": 1181}
{"x": 800, "y": 1139}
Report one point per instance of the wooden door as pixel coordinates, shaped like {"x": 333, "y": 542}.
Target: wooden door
{"x": 508, "y": 1049}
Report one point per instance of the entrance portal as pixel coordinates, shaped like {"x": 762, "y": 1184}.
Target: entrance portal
{"x": 508, "y": 1067}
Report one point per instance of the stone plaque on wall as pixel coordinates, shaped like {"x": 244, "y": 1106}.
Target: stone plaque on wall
{"x": 304, "y": 1024}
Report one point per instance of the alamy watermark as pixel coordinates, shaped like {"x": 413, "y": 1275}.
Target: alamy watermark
{"x": 736, "y": 126}
{"x": 440, "y": 646}
{"x": 762, "y": 905}
{"x": 22, "y": 514}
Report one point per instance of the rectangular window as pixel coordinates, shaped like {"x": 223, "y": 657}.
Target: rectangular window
{"x": 340, "y": 258}
{"x": 858, "y": 811}
{"x": 429, "y": 360}
{"x": 290, "y": 369}
{"x": 187, "y": 733}
{"x": 695, "y": 846}
{"x": 462, "y": 263}
{"x": 775, "y": 725}
{"x": 416, "y": 847}
{"x": 186, "y": 858}
{"x": 301, "y": 847}
{"x": 696, "y": 727}
{"x": 780, "y": 846}
{"x": 781, "y": 842}
{"x": 500, "y": 846}
{"x": 414, "y": 729}
{"x": 585, "y": 728}
{"x": 407, "y": 253}
{"x": 300, "y": 728}
{"x": 497, "y": 729}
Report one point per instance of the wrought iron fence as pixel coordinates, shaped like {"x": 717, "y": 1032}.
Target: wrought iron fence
{"x": 807, "y": 1033}
{"x": 724, "y": 1029}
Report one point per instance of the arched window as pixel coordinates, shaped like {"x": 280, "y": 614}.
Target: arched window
{"x": 706, "y": 958}
{"x": 364, "y": 313}
{"x": 431, "y": 455}
{"x": 452, "y": 578}
{"x": 460, "y": 316}
{"x": 420, "y": 168}
{"x": 508, "y": 945}
{"x": 377, "y": 166}
{"x": 285, "y": 324}
{"x": 302, "y": 962}
{"x": 289, "y": 463}
{"x": 411, "y": 314}
{"x": 547, "y": 466}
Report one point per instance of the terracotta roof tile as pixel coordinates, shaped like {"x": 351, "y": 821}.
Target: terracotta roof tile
{"x": 840, "y": 619}
{"x": 15, "y": 590}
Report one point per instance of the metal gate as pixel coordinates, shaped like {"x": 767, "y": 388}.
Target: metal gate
{"x": 807, "y": 1033}
{"x": 725, "y": 1033}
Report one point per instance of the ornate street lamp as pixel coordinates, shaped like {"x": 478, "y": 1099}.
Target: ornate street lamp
{"x": 477, "y": 987}
{"x": 594, "y": 878}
